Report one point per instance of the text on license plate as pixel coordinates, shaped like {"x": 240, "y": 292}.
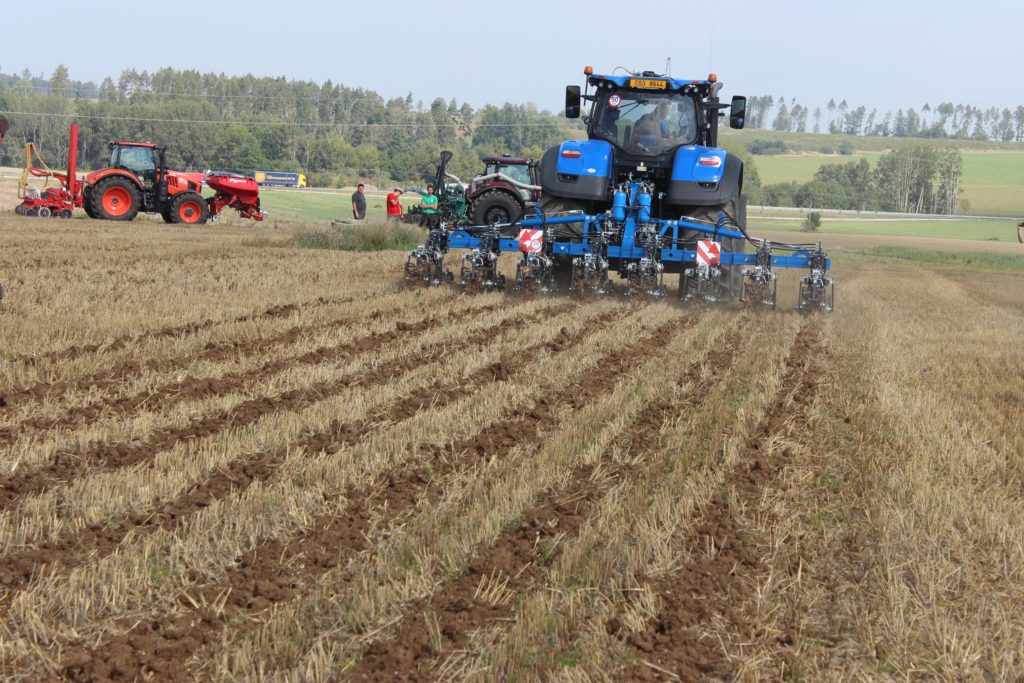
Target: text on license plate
{"x": 647, "y": 83}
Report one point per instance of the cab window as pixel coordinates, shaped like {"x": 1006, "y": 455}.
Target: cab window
{"x": 518, "y": 172}
{"x": 137, "y": 159}
{"x": 647, "y": 123}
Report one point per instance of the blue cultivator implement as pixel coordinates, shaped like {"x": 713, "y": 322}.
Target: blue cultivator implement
{"x": 648, "y": 193}
{"x": 579, "y": 252}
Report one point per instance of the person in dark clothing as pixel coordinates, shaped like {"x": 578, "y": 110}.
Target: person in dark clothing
{"x": 359, "y": 203}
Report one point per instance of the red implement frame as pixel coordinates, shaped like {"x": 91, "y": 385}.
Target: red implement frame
{"x": 52, "y": 201}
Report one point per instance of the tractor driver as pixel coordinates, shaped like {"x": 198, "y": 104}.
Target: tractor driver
{"x": 652, "y": 128}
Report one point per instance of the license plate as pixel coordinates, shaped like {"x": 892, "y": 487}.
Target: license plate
{"x": 647, "y": 84}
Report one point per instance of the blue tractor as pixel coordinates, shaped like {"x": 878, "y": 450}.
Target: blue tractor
{"x": 647, "y": 193}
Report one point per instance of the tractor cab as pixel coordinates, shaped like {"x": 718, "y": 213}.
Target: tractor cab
{"x": 649, "y": 115}
{"x": 518, "y": 169}
{"x": 142, "y": 159}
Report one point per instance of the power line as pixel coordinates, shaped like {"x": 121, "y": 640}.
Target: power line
{"x": 420, "y": 124}
{"x": 99, "y": 94}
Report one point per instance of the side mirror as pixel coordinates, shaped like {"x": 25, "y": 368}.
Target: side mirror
{"x": 572, "y": 101}
{"x": 737, "y": 111}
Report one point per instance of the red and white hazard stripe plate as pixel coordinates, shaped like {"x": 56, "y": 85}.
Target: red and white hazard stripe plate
{"x": 531, "y": 241}
{"x": 709, "y": 253}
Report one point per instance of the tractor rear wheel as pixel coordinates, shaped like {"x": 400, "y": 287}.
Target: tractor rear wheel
{"x": 116, "y": 199}
{"x": 735, "y": 211}
{"x": 552, "y": 206}
{"x": 496, "y": 207}
{"x": 189, "y": 207}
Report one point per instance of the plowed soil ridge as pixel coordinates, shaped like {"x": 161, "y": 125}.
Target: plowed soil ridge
{"x": 106, "y": 456}
{"x": 282, "y": 569}
{"x": 720, "y": 587}
{"x": 519, "y": 559}
{"x": 72, "y": 352}
{"x": 19, "y": 568}
{"x": 116, "y": 376}
{"x": 199, "y": 388}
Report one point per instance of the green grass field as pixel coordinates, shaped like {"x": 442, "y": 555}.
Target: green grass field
{"x": 993, "y": 179}
{"x": 320, "y": 206}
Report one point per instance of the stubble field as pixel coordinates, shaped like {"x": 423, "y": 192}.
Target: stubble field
{"x": 224, "y": 458}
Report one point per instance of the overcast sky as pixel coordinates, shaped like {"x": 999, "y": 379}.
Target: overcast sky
{"x": 886, "y": 54}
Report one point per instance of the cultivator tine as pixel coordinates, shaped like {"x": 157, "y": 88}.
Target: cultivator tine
{"x": 479, "y": 271}
{"x": 703, "y": 280}
{"x": 645, "y": 275}
{"x": 535, "y": 272}
{"x": 589, "y": 275}
{"x": 760, "y": 283}
{"x": 817, "y": 288}
{"x": 425, "y": 265}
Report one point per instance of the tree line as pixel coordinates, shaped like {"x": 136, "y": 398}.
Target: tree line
{"x": 945, "y": 120}
{"x": 332, "y": 133}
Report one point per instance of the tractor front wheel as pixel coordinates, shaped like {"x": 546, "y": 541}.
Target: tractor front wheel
{"x": 116, "y": 199}
{"x": 190, "y": 208}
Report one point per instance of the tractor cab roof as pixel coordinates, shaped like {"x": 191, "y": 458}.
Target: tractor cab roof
{"x": 505, "y": 159}
{"x": 122, "y": 143}
{"x": 649, "y": 80}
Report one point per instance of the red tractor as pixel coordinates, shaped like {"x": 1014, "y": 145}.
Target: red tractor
{"x": 506, "y": 190}
{"x": 137, "y": 179}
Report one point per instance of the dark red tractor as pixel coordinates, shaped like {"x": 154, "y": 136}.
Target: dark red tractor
{"x": 506, "y": 190}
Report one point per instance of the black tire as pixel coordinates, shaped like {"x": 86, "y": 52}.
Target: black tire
{"x": 189, "y": 208}
{"x": 551, "y": 206}
{"x": 735, "y": 211}
{"x": 116, "y": 199}
{"x": 165, "y": 213}
{"x": 87, "y": 202}
{"x": 496, "y": 207}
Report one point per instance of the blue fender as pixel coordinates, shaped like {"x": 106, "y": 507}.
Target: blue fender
{"x": 704, "y": 176}
{"x": 578, "y": 169}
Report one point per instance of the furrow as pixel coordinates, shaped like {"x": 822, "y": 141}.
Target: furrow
{"x": 174, "y": 331}
{"x": 198, "y": 388}
{"x": 444, "y": 498}
{"x": 98, "y": 540}
{"x": 105, "y": 456}
{"x": 115, "y": 377}
{"x": 518, "y": 562}
{"x": 718, "y": 585}
{"x": 269, "y": 574}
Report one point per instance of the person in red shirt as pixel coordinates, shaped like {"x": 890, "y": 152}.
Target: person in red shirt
{"x": 394, "y": 205}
